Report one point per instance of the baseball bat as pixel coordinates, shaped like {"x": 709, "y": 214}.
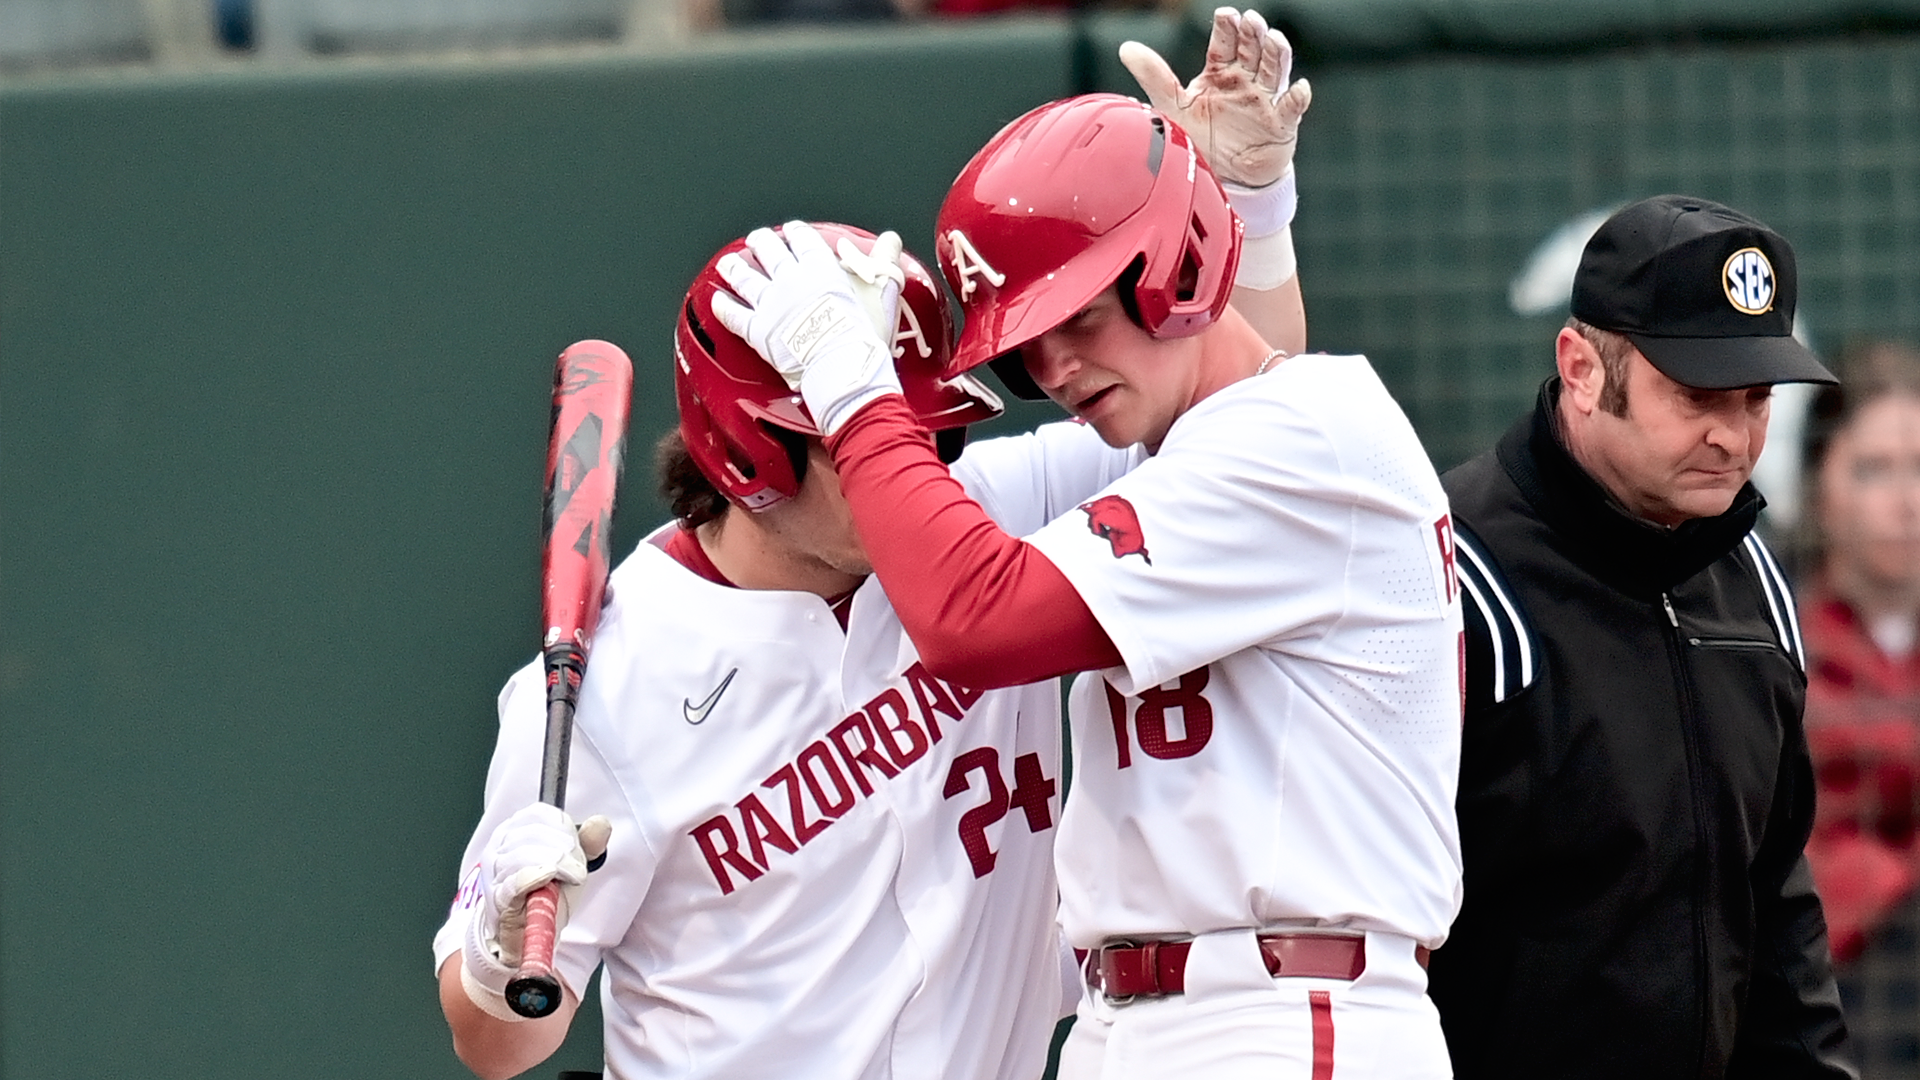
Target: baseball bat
{"x": 592, "y": 393}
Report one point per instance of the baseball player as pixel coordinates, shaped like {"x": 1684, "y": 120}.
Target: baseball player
{"x": 1261, "y": 846}
{"x": 817, "y": 855}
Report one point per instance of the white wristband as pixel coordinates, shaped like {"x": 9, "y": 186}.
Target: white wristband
{"x": 484, "y": 977}
{"x": 487, "y": 1000}
{"x": 841, "y": 382}
{"x": 1265, "y": 261}
{"x": 1266, "y": 210}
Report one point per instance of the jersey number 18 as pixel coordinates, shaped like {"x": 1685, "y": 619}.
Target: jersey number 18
{"x": 1150, "y": 718}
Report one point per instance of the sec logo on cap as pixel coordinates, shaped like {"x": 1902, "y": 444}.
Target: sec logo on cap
{"x": 1748, "y": 279}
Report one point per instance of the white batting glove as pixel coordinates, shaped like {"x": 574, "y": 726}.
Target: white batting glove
{"x": 798, "y": 309}
{"x": 876, "y": 278}
{"x": 1240, "y": 110}
{"x": 537, "y": 844}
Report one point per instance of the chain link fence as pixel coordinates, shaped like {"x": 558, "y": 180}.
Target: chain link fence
{"x": 1428, "y": 184}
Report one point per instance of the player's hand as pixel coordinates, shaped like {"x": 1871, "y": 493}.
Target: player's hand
{"x": 1240, "y": 110}
{"x": 798, "y": 309}
{"x": 876, "y": 278}
{"x": 537, "y": 844}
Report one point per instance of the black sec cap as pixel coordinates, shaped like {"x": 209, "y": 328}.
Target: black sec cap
{"x": 1704, "y": 292}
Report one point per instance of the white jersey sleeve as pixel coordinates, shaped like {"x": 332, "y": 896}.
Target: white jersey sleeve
{"x": 604, "y": 907}
{"x": 1024, "y": 481}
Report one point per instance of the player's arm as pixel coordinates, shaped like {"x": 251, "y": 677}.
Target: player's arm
{"x": 494, "y": 1048}
{"x": 983, "y": 608}
{"x": 485, "y": 935}
{"x": 1279, "y": 313}
{"x": 1243, "y": 110}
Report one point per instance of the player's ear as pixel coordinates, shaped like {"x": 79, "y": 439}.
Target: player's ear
{"x": 1582, "y": 375}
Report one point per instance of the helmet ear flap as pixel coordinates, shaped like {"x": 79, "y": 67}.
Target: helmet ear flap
{"x": 795, "y": 445}
{"x": 1207, "y": 263}
{"x": 1188, "y": 284}
{"x": 720, "y": 385}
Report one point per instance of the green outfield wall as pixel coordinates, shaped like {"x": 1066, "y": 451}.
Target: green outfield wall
{"x": 275, "y": 346}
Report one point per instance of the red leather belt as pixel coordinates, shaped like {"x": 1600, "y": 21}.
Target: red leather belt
{"x": 1157, "y": 968}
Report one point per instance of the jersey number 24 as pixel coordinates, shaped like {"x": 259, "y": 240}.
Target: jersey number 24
{"x": 1031, "y": 792}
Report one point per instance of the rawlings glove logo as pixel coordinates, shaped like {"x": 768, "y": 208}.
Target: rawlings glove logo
{"x": 824, "y": 320}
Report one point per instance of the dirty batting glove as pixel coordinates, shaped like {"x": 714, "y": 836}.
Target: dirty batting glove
{"x": 1241, "y": 111}
{"x": 799, "y": 311}
{"x": 535, "y": 845}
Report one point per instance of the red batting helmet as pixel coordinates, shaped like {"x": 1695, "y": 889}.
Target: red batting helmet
{"x": 728, "y": 393}
{"x": 1057, "y": 207}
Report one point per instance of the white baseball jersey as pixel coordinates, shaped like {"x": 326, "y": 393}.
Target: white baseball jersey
{"x": 825, "y": 861}
{"x": 1282, "y": 742}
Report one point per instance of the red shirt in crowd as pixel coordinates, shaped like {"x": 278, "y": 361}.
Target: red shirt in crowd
{"x": 1863, "y": 727}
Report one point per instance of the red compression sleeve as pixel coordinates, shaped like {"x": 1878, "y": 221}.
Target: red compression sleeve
{"x": 985, "y": 609}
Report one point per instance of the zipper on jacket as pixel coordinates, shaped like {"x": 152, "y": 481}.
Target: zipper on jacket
{"x": 1703, "y": 883}
{"x": 1732, "y": 643}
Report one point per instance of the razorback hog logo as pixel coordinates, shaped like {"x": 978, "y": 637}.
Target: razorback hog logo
{"x": 1112, "y": 518}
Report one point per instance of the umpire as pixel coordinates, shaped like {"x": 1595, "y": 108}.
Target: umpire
{"x": 1635, "y": 790}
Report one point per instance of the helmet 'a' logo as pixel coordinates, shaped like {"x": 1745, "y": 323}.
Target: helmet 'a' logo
{"x": 908, "y": 329}
{"x": 1112, "y": 518}
{"x": 967, "y": 262}
{"x": 1748, "y": 280}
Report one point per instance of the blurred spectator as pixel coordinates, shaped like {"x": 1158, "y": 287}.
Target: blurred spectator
{"x": 991, "y": 7}
{"x": 1174, "y": 8}
{"x": 709, "y": 14}
{"x": 233, "y": 23}
{"x": 759, "y": 12}
{"x": 1860, "y": 612}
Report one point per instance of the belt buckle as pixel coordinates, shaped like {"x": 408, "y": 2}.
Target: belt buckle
{"x": 1098, "y": 959}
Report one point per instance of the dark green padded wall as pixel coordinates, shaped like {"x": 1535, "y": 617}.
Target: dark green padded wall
{"x": 274, "y": 358}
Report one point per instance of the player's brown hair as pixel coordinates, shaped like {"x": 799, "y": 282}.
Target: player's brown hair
{"x": 1613, "y": 348}
{"x": 690, "y": 495}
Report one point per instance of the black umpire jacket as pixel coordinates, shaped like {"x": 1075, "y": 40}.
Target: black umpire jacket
{"x": 1635, "y": 790}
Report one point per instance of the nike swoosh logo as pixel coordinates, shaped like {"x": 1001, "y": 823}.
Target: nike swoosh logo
{"x": 697, "y": 714}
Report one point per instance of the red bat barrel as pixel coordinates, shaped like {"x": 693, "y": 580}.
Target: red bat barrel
{"x": 592, "y": 394}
